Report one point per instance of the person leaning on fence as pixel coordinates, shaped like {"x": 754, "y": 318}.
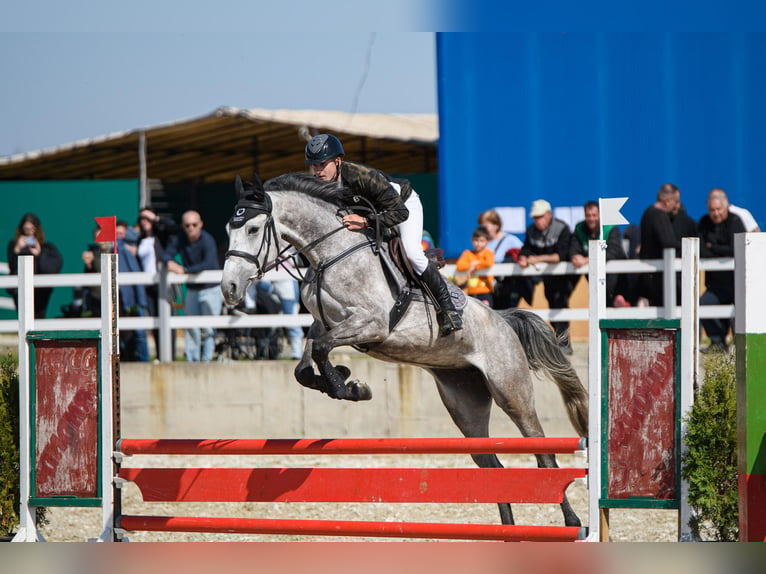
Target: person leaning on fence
{"x": 657, "y": 234}
{"x": 716, "y": 232}
{"x": 155, "y": 233}
{"x": 472, "y": 260}
{"x": 133, "y": 300}
{"x": 29, "y": 239}
{"x": 547, "y": 241}
{"x": 397, "y": 205}
{"x": 198, "y": 252}
{"x": 505, "y": 248}
{"x": 589, "y": 229}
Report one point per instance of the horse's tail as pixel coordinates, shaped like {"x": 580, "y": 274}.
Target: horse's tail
{"x": 543, "y": 352}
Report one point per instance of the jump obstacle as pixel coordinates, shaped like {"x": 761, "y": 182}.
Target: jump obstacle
{"x": 365, "y": 485}
{"x": 351, "y": 485}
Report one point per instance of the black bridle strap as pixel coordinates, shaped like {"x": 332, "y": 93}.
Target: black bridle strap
{"x": 271, "y": 231}
{"x": 302, "y": 251}
{"x": 325, "y": 266}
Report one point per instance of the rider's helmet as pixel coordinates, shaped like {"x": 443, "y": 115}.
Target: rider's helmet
{"x": 323, "y": 147}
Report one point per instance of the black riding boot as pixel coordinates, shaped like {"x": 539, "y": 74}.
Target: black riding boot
{"x": 449, "y": 318}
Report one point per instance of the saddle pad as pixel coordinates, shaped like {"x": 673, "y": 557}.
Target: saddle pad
{"x": 459, "y": 299}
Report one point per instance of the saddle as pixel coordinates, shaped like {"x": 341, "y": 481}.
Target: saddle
{"x": 404, "y": 283}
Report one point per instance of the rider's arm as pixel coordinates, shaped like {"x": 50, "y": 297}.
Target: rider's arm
{"x": 373, "y": 185}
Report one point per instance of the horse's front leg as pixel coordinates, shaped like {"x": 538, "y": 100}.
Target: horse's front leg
{"x": 358, "y": 329}
{"x": 304, "y": 370}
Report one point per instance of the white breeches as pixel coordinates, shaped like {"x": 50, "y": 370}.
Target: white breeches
{"x": 411, "y": 232}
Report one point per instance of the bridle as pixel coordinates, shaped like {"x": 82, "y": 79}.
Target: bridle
{"x": 247, "y": 208}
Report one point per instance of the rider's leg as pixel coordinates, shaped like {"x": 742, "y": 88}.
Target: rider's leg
{"x": 411, "y": 232}
{"x": 449, "y": 317}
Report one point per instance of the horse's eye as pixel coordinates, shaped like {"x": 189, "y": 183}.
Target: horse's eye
{"x": 252, "y": 230}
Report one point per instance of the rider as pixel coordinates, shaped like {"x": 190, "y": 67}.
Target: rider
{"x": 397, "y": 205}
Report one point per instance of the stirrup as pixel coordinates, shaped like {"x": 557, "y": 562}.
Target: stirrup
{"x": 449, "y": 322}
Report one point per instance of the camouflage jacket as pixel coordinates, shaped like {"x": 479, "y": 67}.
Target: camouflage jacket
{"x": 375, "y": 186}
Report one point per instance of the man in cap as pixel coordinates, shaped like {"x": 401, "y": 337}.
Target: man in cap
{"x": 547, "y": 241}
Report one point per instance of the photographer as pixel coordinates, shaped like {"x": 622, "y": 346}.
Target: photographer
{"x": 156, "y": 233}
{"x": 30, "y": 240}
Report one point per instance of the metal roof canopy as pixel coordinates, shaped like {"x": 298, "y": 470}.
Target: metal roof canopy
{"x": 230, "y": 141}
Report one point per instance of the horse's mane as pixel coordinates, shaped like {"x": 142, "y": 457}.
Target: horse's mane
{"x": 306, "y": 183}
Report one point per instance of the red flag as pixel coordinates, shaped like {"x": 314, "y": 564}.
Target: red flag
{"x": 108, "y": 229}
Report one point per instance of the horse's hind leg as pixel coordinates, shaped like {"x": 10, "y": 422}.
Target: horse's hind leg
{"x": 468, "y": 402}
{"x": 516, "y": 399}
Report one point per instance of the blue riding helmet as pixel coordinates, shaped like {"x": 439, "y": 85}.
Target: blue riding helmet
{"x": 323, "y": 147}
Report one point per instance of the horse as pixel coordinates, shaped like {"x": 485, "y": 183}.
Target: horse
{"x": 347, "y": 292}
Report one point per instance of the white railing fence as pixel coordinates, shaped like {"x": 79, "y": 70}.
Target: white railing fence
{"x": 165, "y": 321}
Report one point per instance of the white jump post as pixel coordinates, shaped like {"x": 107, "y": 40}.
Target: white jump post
{"x": 27, "y": 531}
{"x": 689, "y": 371}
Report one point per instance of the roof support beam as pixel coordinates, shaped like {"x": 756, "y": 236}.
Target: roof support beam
{"x": 143, "y": 191}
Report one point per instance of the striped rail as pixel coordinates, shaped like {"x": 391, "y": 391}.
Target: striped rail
{"x": 388, "y": 485}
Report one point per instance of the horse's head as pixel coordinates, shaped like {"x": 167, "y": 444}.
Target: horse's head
{"x": 253, "y": 242}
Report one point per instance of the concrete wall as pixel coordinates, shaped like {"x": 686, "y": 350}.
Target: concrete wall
{"x": 261, "y": 399}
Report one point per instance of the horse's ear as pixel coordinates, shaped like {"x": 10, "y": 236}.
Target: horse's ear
{"x": 257, "y": 183}
{"x": 239, "y": 187}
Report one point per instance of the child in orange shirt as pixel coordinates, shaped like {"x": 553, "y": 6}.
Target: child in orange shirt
{"x": 473, "y": 260}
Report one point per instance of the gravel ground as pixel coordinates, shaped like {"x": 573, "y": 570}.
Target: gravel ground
{"x": 78, "y": 524}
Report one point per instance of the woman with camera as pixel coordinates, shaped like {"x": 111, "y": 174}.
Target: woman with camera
{"x": 30, "y": 240}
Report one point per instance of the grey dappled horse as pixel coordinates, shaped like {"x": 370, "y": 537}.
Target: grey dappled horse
{"x": 350, "y": 298}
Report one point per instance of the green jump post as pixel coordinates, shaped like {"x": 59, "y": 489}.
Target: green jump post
{"x": 750, "y": 336}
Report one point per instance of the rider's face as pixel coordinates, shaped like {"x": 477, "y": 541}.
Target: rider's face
{"x": 327, "y": 170}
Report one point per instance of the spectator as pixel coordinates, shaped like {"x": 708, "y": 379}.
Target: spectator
{"x": 154, "y": 235}
{"x": 472, "y": 260}
{"x": 683, "y": 226}
{"x": 716, "y": 232}
{"x": 261, "y": 297}
{"x": 127, "y": 235}
{"x": 133, "y": 300}
{"x": 198, "y": 252}
{"x": 30, "y": 240}
{"x": 657, "y": 234}
{"x": 585, "y": 231}
{"x": 506, "y": 248}
{"x": 90, "y": 297}
{"x": 751, "y": 225}
{"x": 547, "y": 241}
{"x": 632, "y": 246}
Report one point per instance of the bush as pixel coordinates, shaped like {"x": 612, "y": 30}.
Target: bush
{"x": 9, "y": 446}
{"x": 710, "y": 464}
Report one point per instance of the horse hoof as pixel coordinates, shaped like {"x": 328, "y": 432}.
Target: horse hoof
{"x": 358, "y": 391}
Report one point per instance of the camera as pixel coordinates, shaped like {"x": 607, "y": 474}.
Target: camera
{"x": 31, "y": 240}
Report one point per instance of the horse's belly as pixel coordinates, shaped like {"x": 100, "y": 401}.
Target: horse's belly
{"x": 446, "y": 354}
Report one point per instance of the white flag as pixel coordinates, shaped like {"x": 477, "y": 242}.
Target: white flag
{"x": 610, "y": 211}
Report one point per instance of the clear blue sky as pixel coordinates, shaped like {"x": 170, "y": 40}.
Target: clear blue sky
{"x": 71, "y": 72}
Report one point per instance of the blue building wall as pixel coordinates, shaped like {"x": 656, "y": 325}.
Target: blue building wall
{"x": 572, "y": 117}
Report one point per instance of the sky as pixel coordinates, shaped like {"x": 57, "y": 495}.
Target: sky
{"x": 69, "y": 72}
